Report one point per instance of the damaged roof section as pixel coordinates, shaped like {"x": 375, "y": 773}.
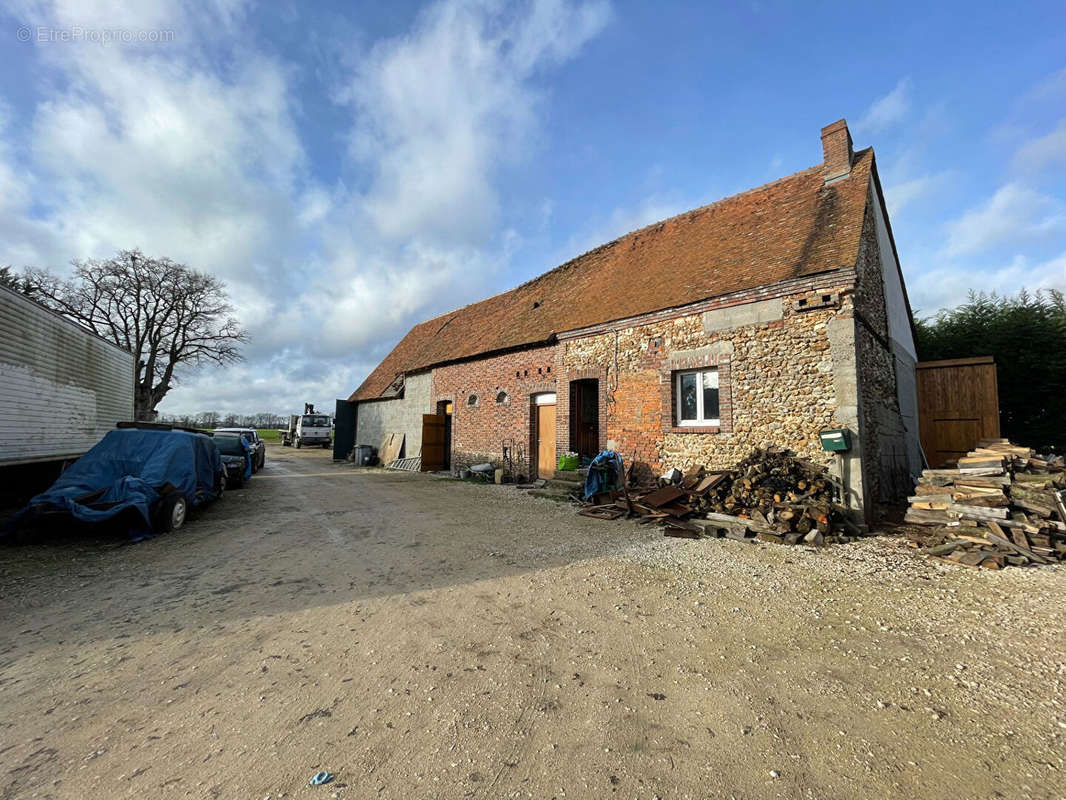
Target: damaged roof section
{"x": 790, "y": 228}
{"x": 394, "y": 389}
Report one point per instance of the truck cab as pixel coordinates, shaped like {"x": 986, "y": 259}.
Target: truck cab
{"x": 309, "y": 429}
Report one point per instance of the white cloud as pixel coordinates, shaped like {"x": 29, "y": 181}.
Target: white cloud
{"x": 14, "y": 191}
{"x": 1052, "y": 87}
{"x": 1044, "y": 151}
{"x": 280, "y": 385}
{"x": 438, "y": 110}
{"x": 900, "y": 195}
{"x": 944, "y": 287}
{"x": 1013, "y": 214}
{"x": 186, "y": 152}
{"x": 887, "y": 111}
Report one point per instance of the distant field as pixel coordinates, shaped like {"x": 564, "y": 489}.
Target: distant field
{"x": 269, "y": 434}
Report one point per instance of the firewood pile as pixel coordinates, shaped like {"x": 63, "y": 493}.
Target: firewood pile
{"x": 770, "y": 496}
{"x": 1002, "y": 505}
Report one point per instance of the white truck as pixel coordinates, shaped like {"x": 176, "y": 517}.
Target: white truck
{"x": 61, "y": 387}
{"x": 307, "y": 430}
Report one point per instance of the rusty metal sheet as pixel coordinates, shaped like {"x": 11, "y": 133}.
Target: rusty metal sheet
{"x": 660, "y": 497}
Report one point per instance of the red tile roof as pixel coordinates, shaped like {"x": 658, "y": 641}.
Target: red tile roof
{"x": 792, "y": 227}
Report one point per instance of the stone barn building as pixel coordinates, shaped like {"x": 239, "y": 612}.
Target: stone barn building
{"x": 765, "y": 317}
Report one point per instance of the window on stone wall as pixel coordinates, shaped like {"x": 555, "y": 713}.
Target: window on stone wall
{"x": 502, "y": 399}
{"x": 471, "y": 400}
{"x": 696, "y": 397}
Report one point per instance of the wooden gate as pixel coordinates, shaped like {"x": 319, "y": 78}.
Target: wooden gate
{"x": 958, "y": 404}
{"x": 434, "y": 442}
{"x": 545, "y": 440}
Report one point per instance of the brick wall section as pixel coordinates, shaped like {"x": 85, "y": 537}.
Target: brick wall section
{"x": 478, "y": 431}
{"x": 884, "y": 448}
{"x": 562, "y": 418}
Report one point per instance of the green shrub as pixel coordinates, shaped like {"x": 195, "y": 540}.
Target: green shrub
{"x": 1026, "y": 335}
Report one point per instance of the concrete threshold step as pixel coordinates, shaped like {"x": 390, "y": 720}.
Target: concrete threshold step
{"x": 562, "y": 486}
{"x": 571, "y": 475}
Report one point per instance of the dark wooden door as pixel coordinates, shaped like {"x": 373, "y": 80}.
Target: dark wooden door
{"x": 445, "y": 408}
{"x": 585, "y": 417}
{"x": 958, "y": 404}
{"x": 434, "y": 442}
{"x": 344, "y": 432}
{"x": 546, "y": 461}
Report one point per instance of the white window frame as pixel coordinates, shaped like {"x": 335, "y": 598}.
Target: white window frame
{"x": 700, "y": 421}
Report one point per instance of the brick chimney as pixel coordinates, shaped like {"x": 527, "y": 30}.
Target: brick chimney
{"x": 836, "y": 151}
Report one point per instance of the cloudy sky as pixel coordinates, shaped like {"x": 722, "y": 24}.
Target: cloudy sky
{"x": 352, "y": 169}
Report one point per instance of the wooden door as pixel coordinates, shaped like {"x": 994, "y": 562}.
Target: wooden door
{"x": 958, "y": 404}
{"x": 546, "y": 460}
{"x": 434, "y": 442}
{"x": 585, "y": 417}
{"x": 445, "y": 408}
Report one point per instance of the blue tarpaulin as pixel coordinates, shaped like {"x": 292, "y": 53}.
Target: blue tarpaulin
{"x": 600, "y": 477}
{"x": 127, "y": 468}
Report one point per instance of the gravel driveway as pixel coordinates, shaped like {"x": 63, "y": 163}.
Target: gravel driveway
{"x": 427, "y": 638}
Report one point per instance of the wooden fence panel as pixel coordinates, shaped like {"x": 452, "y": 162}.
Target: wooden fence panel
{"x": 958, "y": 403}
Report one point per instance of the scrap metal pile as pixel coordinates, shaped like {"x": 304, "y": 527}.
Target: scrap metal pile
{"x": 771, "y": 496}
{"x": 1001, "y": 506}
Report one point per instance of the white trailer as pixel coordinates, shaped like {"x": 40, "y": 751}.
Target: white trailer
{"x": 62, "y": 387}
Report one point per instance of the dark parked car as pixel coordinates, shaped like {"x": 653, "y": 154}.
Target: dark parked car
{"x": 153, "y": 476}
{"x": 235, "y": 454}
{"x": 251, "y": 435}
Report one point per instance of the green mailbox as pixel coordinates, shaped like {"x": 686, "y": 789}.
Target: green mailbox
{"x": 837, "y": 440}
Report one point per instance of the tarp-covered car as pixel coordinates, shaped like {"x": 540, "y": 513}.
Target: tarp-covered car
{"x": 159, "y": 474}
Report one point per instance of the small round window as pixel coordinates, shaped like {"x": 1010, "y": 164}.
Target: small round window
{"x": 471, "y": 400}
{"x": 503, "y": 399}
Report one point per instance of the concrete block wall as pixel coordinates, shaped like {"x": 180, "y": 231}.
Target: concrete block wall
{"x": 376, "y": 418}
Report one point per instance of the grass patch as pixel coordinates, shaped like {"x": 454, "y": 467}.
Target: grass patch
{"x": 269, "y": 434}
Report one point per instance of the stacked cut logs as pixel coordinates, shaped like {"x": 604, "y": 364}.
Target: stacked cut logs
{"x": 771, "y": 496}
{"x": 1001, "y": 506}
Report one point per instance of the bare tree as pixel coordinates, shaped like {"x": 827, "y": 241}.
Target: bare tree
{"x": 168, "y": 315}
{"x": 11, "y": 280}
{"x": 207, "y": 419}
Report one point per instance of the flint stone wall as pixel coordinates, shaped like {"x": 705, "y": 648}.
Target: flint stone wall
{"x": 780, "y": 386}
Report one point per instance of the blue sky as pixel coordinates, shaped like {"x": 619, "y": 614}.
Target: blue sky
{"x": 354, "y": 168}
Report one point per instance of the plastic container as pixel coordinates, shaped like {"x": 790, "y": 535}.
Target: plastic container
{"x": 568, "y": 462}
{"x": 364, "y": 455}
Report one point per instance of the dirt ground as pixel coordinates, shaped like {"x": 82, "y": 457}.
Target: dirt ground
{"x": 427, "y": 638}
